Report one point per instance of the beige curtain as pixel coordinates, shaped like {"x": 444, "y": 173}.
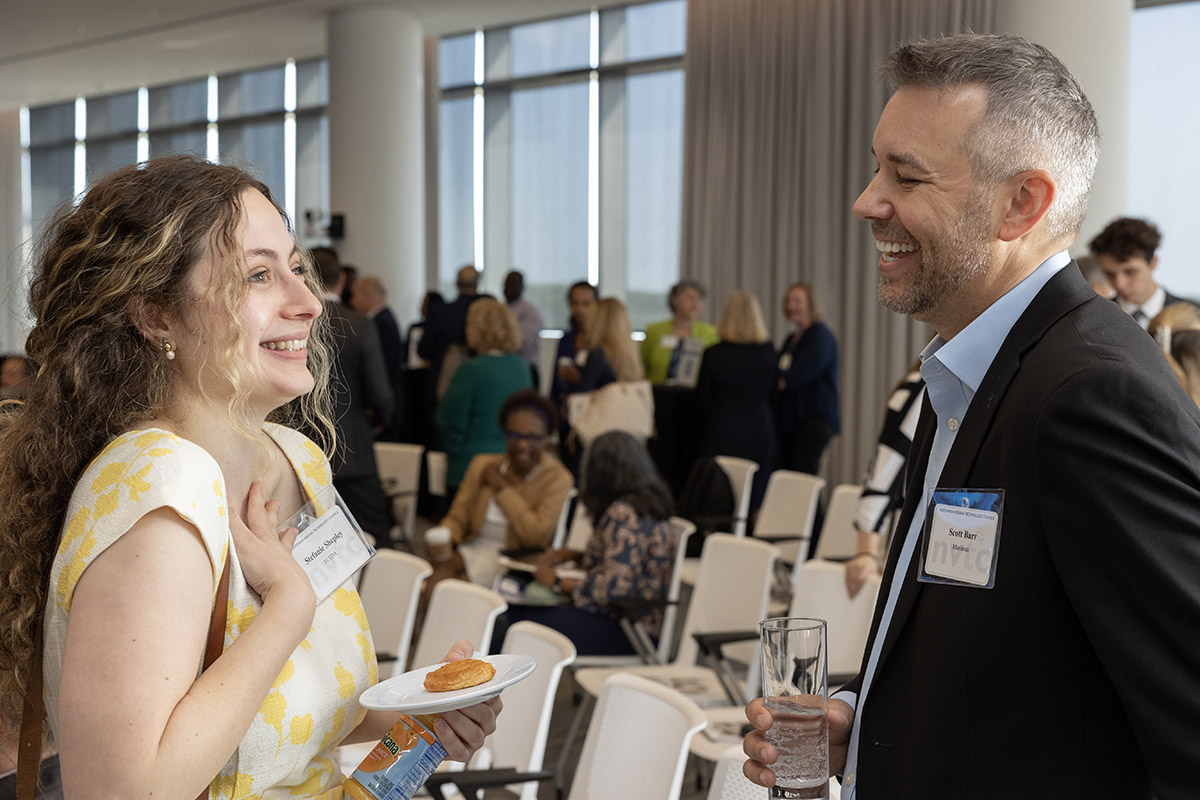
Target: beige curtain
{"x": 781, "y": 102}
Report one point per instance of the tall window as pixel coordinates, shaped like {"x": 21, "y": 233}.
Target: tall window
{"x": 560, "y": 154}
{"x": 270, "y": 121}
{"x": 1163, "y": 169}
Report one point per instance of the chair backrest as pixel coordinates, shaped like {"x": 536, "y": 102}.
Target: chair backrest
{"x": 666, "y": 641}
{"x": 821, "y": 593}
{"x": 400, "y": 473}
{"x": 580, "y": 530}
{"x": 728, "y": 782}
{"x": 838, "y": 537}
{"x": 731, "y": 591}
{"x": 741, "y": 476}
{"x": 457, "y": 610}
{"x": 390, "y": 590}
{"x": 521, "y": 731}
{"x": 564, "y": 519}
{"x": 789, "y": 506}
{"x": 547, "y": 358}
{"x": 435, "y": 468}
{"x": 637, "y": 741}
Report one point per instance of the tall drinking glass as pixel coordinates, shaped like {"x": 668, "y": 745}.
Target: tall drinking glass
{"x": 795, "y": 690}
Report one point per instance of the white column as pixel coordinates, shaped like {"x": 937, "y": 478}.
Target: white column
{"x": 14, "y": 282}
{"x": 1092, "y": 37}
{"x": 376, "y": 147}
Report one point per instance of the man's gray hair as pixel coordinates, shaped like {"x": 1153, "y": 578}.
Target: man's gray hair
{"x": 1037, "y": 114}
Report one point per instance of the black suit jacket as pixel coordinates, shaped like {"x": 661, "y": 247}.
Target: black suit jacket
{"x": 391, "y": 343}
{"x": 1078, "y": 675}
{"x": 361, "y": 385}
{"x": 443, "y": 328}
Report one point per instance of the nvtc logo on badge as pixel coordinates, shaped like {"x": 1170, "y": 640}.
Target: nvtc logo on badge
{"x": 961, "y": 538}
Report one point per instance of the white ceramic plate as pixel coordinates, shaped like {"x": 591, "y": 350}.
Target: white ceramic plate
{"x": 407, "y": 692}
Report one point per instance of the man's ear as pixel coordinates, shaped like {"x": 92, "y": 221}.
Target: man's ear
{"x": 1030, "y": 195}
{"x": 149, "y": 319}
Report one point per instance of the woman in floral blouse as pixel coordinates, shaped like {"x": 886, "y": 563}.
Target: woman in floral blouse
{"x": 629, "y": 556}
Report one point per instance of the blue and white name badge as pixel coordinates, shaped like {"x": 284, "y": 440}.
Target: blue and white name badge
{"x": 960, "y": 542}
{"x": 330, "y": 546}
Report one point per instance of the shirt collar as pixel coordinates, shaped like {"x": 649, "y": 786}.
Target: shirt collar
{"x": 969, "y": 355}
{"x": 331, "y": 297}
{"x": 1153, "y": 305}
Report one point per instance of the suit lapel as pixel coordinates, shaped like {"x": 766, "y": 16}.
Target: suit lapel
{"x": 1062, "y": 293}
{"x": 918, "y": 462}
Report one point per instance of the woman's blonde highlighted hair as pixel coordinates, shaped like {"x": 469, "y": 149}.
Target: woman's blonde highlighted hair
{"x": 609, "y": 330}
{"x": 127, "y": 249}
{"x": 742, "y": 320}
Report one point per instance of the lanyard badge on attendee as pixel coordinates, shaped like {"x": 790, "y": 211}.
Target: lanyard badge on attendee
{"x": 330, "y": 546}
{"x": 960, "y": 542}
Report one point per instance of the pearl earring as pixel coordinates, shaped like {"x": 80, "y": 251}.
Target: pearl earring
{"x": 168, "y": 349}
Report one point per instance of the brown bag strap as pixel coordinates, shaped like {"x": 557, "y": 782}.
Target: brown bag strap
{"x": 216, "y": 628}
{"x": 216, "y": 634}
{"x": 29, "y": 757}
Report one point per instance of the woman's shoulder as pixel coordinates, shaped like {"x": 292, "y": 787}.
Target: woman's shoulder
{"x": 137, "y": 472}
{"x": 303, "y": 453}
{"x": 142, "y": 450}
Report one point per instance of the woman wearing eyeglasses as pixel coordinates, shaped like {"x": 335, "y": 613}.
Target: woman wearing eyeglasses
{"x": 512, "y": 499}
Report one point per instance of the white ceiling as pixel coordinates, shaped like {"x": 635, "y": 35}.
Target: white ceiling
{"x": 54, "y": 50}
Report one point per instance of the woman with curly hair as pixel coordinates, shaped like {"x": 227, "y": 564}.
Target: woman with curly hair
{"x": 176, "y": 326}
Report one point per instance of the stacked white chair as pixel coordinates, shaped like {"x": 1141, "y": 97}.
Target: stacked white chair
{"x": 457, "y": 610}
{"x": 788, "y": 511}
{"x": 731, "y": 593}
{"x": 637, "y": 742}
{"x": 741, "y": 478}
{"x": 390, "y": 590}
{"x": 435, "y": 470}
{"x": 564, "y": 519}
{"x": 519, "y": 742}
{"x": 839, "y": 538}
{"x": 820, "y": 593}
{"x": 399, "y": 468}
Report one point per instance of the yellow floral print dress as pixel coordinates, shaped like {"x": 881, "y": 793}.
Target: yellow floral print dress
{"x": 313, "y": 705}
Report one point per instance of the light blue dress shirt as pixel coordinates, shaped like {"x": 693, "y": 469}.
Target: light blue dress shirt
{"x": 953, "y": 371}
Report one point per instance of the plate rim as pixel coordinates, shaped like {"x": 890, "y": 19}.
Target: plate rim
{"x": 474, "y": 694}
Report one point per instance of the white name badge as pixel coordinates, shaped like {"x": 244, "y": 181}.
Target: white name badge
{"x": 669, "y": 342}
{"x": 961, "y": 537}
{"x": 331, "y": 547}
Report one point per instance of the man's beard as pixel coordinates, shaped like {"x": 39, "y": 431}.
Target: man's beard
{"x": 946, "y": 265}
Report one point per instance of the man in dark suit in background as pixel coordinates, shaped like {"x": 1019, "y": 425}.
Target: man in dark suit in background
{"x": 362, "y": 401}
{"x": 369, "y": 298}
{"x": 1125, "y": 250}
{"x": 445, "y": 324}
{"x": 1035, "y": 634}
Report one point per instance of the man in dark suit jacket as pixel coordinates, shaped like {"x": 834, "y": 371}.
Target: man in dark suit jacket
{"x": 362, "y": 401}
{"x": 1062, "y": 661}
{"x": 445, "y": 324}
{"x": 1125, "y": 250}
{"x": 369, "y": 298}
